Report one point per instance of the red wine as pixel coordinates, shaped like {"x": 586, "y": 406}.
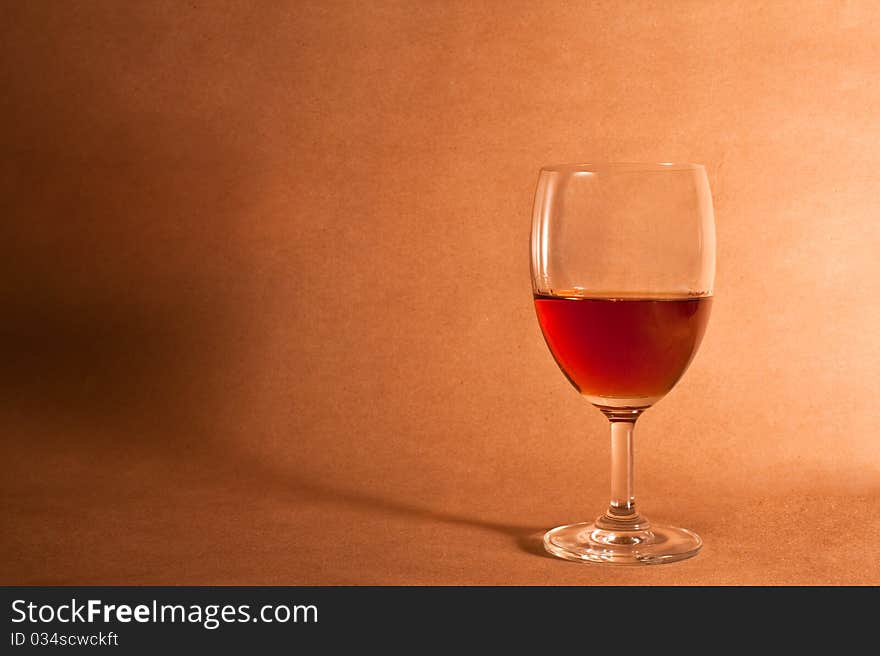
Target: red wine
{"x": 623, "y": 352}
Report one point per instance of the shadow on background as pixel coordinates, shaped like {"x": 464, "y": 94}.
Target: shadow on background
{"x": 124, "y": 285}
{"x": 296, "y": 490}
{"x": 118, "y": 250}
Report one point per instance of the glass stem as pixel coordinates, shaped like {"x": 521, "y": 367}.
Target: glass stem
{"x": 621, "y": 513}
{"x": 623, "y": 500}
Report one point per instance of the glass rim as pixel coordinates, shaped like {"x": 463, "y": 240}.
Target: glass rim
{"x": 621, "y": 167}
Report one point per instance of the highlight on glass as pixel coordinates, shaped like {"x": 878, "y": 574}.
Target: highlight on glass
{"x": 623, "y": 268}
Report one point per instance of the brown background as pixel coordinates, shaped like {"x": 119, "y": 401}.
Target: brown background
{"x": 266, "y": 314}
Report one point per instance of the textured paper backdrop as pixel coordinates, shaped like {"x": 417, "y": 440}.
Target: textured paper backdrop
{"x": 266, "y": 313}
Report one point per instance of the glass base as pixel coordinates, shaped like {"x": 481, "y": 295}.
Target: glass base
{"x": 648, "y": 545}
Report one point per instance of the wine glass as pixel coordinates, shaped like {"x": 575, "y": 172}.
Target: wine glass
{"x": 623, "y": 264}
